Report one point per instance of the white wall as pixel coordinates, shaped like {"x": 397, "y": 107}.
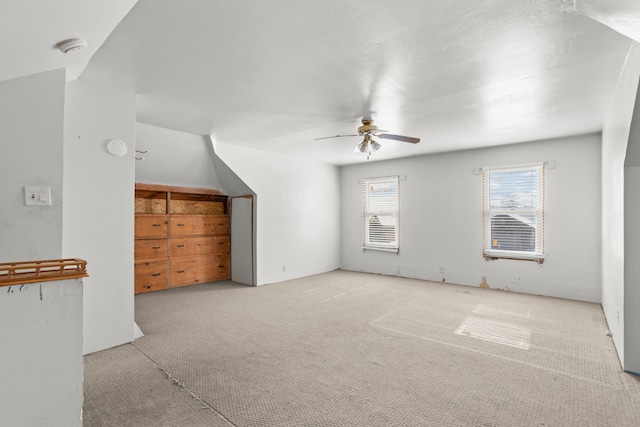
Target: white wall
{"x": 441, "y": 219}
{"x": 229, "y": 180}
{"x": 298, "y": 212}
{"x": 615, "y": 136}
{"x": 41, "y": 356}
{"x": 632, "y": 269}
{"x": 632, "y": 244}
{"x": 175, "y": 158}
{"x": 31, "y": 127}
{"x": 98, "y": 210}
{"x": 243, "y": 244}
{"x": 41, "y": 339}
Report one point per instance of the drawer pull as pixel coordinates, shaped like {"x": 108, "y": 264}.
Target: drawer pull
{"x": 148, "y": 286}
{"x": 155, "y": 247}
{"x": 156, "y": 225}
{"x": 221, "y": 224}
{"x": 157, "y": 274}
{"x": 180, "y": 271}
{"x": 180, "y": 225}
{"x": 179, "y": 246}
{"x": 221, "y": 266}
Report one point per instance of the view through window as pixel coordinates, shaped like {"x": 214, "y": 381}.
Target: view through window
{"x": 380, "y": 209}
{"x": 514, "y": 212}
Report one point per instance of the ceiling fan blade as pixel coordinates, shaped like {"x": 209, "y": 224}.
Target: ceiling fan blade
{"x": 410, "y": 139}
{"x": 335, "y": 136}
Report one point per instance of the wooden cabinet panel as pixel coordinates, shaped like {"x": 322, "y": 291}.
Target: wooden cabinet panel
{"x": 187, "y": 225}
{"x": 192, "y": 270}
{"x": 181, "y": 237}
{"x": 151, "y": 226}
{"x": 189, "y": 246}
{"x": 151, "y": 276}
{"x": 150, "y": 249}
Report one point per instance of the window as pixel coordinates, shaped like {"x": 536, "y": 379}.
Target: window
{"x": 514, "y": 213}
{"x": 380, "y": 209}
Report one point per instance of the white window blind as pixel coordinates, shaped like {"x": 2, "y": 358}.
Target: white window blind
{"x": 514, "y": 213}
{"x": 380, "y": 213}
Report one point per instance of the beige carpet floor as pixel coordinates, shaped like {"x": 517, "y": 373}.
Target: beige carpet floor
{"x": 353, "y": 349}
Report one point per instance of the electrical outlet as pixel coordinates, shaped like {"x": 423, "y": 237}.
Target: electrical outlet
{"x": 284, "y": 268}
{"x": 441, "y": 270}
{"x": 515, "y": 279}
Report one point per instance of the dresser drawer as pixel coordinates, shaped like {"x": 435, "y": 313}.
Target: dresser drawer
{"x": 200, "y": 269}
{"x": 151, "y": 276}
{"x": 187, "y": 225}
{"x": 151, "y": 226}
{"x": 221, "y": 245}
{"x": 150, "y": 249}
{"x": 190, "y": 246}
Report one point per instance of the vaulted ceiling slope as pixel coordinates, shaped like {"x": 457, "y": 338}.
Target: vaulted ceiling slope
{"x": 621, "y": 15}
{"x": 276, "y": 75}
{"x": 29, "y": 31}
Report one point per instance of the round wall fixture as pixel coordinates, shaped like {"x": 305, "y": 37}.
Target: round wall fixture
{"x": 117, "y": 148}
{"x": 70, "y": 45}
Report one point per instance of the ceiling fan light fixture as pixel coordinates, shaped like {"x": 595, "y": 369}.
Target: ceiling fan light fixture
{"x": 368, "y": 145}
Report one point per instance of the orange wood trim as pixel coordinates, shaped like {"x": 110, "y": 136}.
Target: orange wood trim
{"x": 14, "y": 273}
{"x": 168, "y": 202}
{"x": 171, "y": 188}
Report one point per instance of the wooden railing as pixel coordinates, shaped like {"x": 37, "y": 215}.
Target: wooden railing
{"x": 42, "y": 271}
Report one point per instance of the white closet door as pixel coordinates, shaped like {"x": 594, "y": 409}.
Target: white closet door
{"x": 242, "y": 240}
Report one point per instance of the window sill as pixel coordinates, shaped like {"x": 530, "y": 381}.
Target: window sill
{"x": 493, "y": 255}
{"x": 373, "y": 248}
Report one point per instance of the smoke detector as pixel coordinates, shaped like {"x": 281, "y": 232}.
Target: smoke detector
{"x": 70, "y": 45}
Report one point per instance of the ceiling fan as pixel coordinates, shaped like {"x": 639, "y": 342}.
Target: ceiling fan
{"x": 368, "y": 145}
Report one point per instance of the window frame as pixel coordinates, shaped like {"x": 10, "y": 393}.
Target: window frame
{"x": 538, "y": 212}
{"x": 391, "y": 214}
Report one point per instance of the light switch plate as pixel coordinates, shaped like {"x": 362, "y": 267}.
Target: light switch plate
{"x": 37, "y": 196}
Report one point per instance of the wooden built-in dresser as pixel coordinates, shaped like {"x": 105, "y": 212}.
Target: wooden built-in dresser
{"x": 181, "y": 237}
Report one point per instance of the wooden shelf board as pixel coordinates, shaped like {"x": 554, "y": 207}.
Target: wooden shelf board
{"x": 171, "y": 188}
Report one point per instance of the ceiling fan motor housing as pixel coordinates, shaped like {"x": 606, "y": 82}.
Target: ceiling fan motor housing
{"x": 367, "y": 127}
